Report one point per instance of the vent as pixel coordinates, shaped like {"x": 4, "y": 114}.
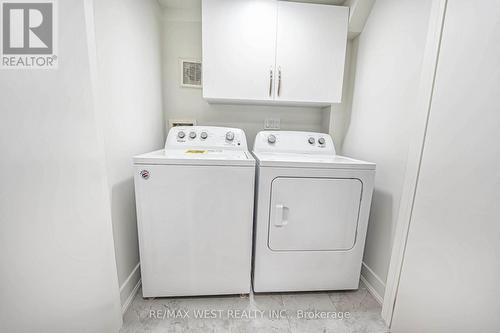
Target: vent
{"x": 181, "y": 122}
{"x": 191, "y": 73}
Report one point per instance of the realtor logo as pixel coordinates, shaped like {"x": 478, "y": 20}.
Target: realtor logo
{"x": 28, "y": 34}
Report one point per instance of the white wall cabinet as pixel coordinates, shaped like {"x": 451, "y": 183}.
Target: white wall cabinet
{"x": 273, "y": 52}
{"x": 239, "y": 44}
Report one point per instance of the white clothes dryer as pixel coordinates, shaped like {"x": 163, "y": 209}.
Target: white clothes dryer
{"x": 311, "y": 217}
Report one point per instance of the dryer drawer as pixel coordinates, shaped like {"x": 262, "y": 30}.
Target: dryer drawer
{"x": 314, "y": 214}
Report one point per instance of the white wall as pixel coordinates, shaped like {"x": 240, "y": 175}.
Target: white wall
{"x": 449, "y": 278}
{"x": 130, "y": 101}
{"x": 336, "y": 116}
{"x": 387, "y": 59}
{"x": 182, "y": 39}
{"x": 57, "y": 265}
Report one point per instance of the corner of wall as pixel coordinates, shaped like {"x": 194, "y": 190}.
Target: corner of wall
{"x": 88, "y": 6}
{"x": 340, "y": 114}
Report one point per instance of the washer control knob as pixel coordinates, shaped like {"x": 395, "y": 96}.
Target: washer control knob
{"x": 229, "y": 136}
{"x": 203, "y": 135}
{"x": 321, "y": 141}
{"x": 271, "y": 139}
{"x": 311, "y": 140}
{"x": 181, "y": 135}
{"x": 192, "y": 135}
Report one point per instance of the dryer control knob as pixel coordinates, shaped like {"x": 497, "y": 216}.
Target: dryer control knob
{"x": 192, "y": 135}
{"x": 229, "y": 136}
{"x": 181, "y": 135}
{"x": 203, "y": 135}
{"x": 321, "y": 141}
{"x": 311, "y": 140}
{"x": 271, "y": 139}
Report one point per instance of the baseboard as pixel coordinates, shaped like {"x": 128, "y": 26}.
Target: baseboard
{"x": 130, "y": 298}
{"x": 130, "y": 287}
{"x": 373, "y": 283}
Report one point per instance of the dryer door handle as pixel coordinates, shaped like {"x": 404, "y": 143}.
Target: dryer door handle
{"x": 280, "y": 215}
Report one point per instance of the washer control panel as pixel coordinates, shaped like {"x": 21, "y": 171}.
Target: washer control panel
{"x": 206, "y": 137}
{"x": 294, "y": 142}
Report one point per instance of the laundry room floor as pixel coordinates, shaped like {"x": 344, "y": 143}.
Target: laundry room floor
{"x": 339, "y": 312}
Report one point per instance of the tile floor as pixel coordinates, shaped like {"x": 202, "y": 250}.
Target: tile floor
{"x": 258, "y": 313}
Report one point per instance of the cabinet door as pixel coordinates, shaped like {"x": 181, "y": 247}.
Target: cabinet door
{"x": 311, "y": 46}
{"x": 239, "y": 43}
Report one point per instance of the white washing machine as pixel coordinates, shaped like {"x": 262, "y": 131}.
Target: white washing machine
{"x": 195, "y": 213}
{"x": 311, "y": 217}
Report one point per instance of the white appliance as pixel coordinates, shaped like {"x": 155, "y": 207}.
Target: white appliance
{"x": 195, "y": 213}
{"x": 312, "y": 211}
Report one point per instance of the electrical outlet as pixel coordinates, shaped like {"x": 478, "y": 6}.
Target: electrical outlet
{"x": 272, "y": 123}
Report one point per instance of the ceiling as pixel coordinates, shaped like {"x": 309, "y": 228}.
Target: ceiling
{"x": 326, "y": 2}
{"x": 196, "y": 3}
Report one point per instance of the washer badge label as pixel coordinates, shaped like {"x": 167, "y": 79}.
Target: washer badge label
{"x": 144, "y": 174}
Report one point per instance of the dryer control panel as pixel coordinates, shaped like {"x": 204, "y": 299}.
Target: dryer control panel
{"x": 294, "y": 142}
{"x": 206, "y": 137}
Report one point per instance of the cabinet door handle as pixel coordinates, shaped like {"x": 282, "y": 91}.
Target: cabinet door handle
{"x": 279, "y": 80}
{"x": 270, "y": 82}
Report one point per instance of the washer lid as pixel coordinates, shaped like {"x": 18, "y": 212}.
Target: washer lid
{"x": 197, "y": 157}
{"x": 295, "y": 160}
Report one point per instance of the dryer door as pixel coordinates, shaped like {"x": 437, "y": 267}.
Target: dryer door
{"x": 314, "y": 214}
